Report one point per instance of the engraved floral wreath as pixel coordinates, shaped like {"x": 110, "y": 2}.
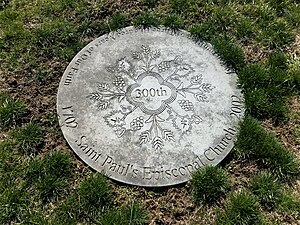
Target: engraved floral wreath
{"x": 173, "y": 75}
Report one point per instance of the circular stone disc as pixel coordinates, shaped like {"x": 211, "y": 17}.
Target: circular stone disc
{"x": 149, "y": 106}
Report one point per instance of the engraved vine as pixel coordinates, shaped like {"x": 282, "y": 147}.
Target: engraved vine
{"x": 178, "y": 87}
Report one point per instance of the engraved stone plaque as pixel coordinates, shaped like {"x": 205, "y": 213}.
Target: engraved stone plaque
{"x": 149, "y": 106}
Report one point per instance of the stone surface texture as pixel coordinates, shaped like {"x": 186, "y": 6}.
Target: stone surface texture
{"x": 149, "y": 106}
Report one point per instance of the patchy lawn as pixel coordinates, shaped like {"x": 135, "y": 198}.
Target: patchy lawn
{"x": 43, "y": 182}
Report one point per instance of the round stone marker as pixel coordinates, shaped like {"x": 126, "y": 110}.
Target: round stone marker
{"x": 149, "y": 106}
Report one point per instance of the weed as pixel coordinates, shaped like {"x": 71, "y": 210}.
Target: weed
{"x": 255, "y": 143}
{"x": 132, "y": 214}
{"x": 267, "y": 189}
{"x": 230, "y": 52}
{"x": 28, "y": 137}
{"x": 209, "y": 184}
{"x": 172, "y": 21}
{"x": 95, "y": 195}
{"x": 146, "y": 19}
{"x": 11, "y": 110}
{"x": 242, "y": 209}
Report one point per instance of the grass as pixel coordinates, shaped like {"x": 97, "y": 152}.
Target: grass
{"x": 254, "y": 142}
{"x": 50, "y": 175}
{"x": 146, "y": 19}
{"x": 272, "y": 195}
{"x": 241, "y": 209}
{"x": 290, "y": 203}
{"x": 14, "y": 204}
{"x": 209, "y": 184}
{"x": 267, "y": 87}
{"x": 27, "y": 138}
{"x": 267, "y": 189}
{"x": 11, "y": 110}
{"x": 93, "y": 203}
{"x": 173, "y": 21}
{"x": 95, "y": 194}
{"x": 131, "y": 213}
{"x": 230, "y": 52}
{"x": 42, "y": 185}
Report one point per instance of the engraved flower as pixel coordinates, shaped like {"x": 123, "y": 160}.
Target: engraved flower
{"x": 196, "y": 79}
{"x": 115, "y": 119}
{"x": 123, "y": 65}
{"x": 183, "y": 123}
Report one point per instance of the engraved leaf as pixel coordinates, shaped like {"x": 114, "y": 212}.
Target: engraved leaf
{"x": 95, "y": 96}
{"x": 157, "y": 143}
{"x": 102, "y": 86}
{"x": 168, "y": 135}
{"x": 111, "y": 69}
{"x": 184, "y": 70}
{"x": 144, "y": 137}
{"x": 175, "y": 122}
{"x": 175, "y": 78}
{"x": 207, "y": 87}
{"x": 126, "y": 109}
{"x": 149, "y": 120}
{"x": 178, "y": 59}
{"x": 182, "y": 93}
{"x": 136, "y": 55}
{"x": 171, "y": 115}
{"x": 101, "y": 105}
{"x": 146, "y": 49}
{"x": 202, "y": 66}
{"x": 121, "y": 98}
{"x": 196, "y": 119}
{"x": 120, "y": 132}
{"x": 200, "y": 97}
{"x": 159, "y": 119}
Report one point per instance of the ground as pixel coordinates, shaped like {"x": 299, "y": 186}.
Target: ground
{"x": 39, "y": 38}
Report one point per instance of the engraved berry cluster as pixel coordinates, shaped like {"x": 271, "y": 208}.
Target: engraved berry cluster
{"x": 137, "y": 123}
{"x": 119, "y": 82}
{"x": 163, "y": 66}
{"x": 186, "y": 105}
